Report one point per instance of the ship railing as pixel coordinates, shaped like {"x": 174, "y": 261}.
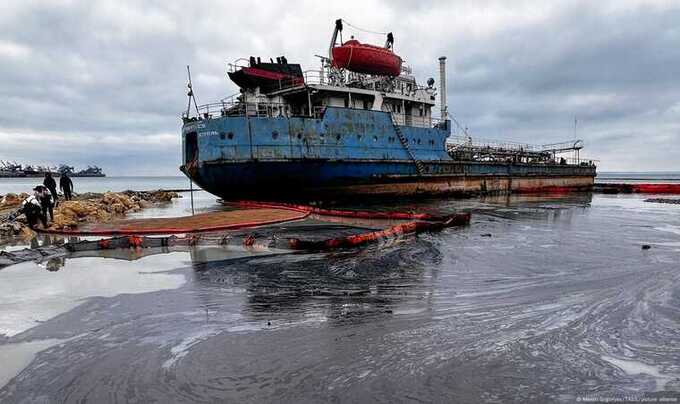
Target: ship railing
{"x": 461, "y": 142}
{"x": 237, "y": 65}
{"x": 574, "y": 161}
{"x": 414, "y": 120}
{"x": 229, "y": 107}
{"x": 553, "y": 148}
{"x": 308, "y": 77}
{"x": 339, "y": 78}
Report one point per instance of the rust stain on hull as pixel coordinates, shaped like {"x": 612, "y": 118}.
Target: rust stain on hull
{"x": 482, "y": 185}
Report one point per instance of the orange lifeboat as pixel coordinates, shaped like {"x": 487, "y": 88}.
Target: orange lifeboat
{"x": 364, "y": 58}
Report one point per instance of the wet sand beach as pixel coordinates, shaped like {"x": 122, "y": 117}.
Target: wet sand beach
{"x": 540, "y": 299}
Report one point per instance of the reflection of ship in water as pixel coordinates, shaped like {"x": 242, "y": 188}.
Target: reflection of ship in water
{"x": 15, "y": 170}
{"x": 283, "y": 285}
{"x": 342, "y": 286}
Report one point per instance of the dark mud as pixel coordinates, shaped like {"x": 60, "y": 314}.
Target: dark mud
{"x": 560, "y": 303}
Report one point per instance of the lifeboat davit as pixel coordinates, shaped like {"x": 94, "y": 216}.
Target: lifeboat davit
{"x": 364, "y": 58}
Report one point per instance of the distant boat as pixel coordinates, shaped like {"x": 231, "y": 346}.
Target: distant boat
{"x": 14, "y": 170}
{"x": 90, "y": 171}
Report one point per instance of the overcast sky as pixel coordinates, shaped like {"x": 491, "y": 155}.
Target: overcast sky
{"x": 103, "y": 82}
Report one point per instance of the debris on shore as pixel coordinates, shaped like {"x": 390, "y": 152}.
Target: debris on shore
{"x": 84, "y": 208}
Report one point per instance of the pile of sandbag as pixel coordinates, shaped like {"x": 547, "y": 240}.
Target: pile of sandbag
{"x": 152, "y": 196}
{"x": 69, "y": 213}
{"x": 12, "y": 200}
{"x": 103, "y": 209}
{"x": 15, "y": 228}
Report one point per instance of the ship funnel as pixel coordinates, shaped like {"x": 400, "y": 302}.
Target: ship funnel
{"x": 442, "y": 87}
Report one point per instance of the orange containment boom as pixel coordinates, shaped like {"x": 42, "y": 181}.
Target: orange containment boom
{"x": 357, "y": 214}
{"x": 202, "y": 222}
{"x": 391, "y": 232}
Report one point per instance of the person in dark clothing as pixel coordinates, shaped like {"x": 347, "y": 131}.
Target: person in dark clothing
{"x": 66, "y": 186}
{"x": 51, "y": 184}
{"x": 44, "y": 196}
{"x": 32, "y": 208}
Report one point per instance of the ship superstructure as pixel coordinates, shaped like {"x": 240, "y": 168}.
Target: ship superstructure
{"x": 359, "y": 124}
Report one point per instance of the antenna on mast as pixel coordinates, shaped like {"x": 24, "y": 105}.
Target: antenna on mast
{"x": 190, "y": 94}
{"x": 575, "y": 122}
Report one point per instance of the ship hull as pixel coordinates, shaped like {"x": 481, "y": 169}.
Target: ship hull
{"x": 323, "y": 179}
{"x": 349, "y": 152}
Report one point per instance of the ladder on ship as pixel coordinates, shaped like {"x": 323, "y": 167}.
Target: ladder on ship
{"x": 420, "y": 168}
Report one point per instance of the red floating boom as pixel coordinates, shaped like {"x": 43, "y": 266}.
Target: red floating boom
{"x": 391, "y": 232}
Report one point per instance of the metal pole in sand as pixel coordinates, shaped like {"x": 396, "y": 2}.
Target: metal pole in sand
{"x": 191, "y": 190}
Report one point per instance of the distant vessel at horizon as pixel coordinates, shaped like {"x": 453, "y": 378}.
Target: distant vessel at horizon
{"x": 14, "y": 170}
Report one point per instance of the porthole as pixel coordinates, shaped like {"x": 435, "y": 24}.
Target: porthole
{"x": 222, "y": 135}
{"x": 418, "y": 141}
{"x": 275, "y": 135}
{"x": 338, "y": 137}
{"x": 299, "y": 135}
{"x": 375, "y": 138}
{"x": 358, "y": 137}
{"x": 230, "y": 135}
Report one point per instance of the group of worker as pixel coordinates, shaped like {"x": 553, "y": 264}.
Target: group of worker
{"x": 38, "y": 206}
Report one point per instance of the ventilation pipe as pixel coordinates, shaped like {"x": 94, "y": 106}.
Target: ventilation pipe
{"x": 442, "y": 87}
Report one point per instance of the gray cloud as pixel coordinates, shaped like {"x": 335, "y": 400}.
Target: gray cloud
{"x": 104, "y": 82}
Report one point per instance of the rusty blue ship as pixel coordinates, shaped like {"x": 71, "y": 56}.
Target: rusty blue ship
{"x": 357, "y": 125}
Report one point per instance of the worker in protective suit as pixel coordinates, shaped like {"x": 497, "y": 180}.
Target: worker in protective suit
{"x": 51, "y": 184}
{"x": 66, "y": 186}
{"x": 44, "y": 196}
{"x": 33, "y": 211}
